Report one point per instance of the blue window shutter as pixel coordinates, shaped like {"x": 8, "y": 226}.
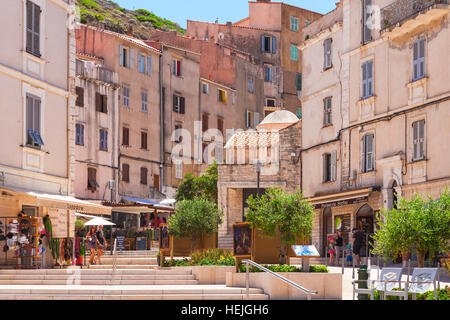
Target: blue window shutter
{"x": 262, "y": 43}
{"x": 274, "y": 45}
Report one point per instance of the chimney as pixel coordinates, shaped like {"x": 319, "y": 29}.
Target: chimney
{"x": 229, "y": 24}
{"x": 130, "y": 30}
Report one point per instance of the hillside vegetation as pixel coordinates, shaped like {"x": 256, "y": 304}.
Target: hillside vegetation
{"x": 118, "y": 19}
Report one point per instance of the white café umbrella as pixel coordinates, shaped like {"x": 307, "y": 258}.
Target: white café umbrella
{"x": 168, "y": 201}
{"x": 99, "y": 222}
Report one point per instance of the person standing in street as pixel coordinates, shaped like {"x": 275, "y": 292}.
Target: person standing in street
{"x": 101, "y": 240}
{"x": 339, "y": 246}
{"x": 331, "y": 250}
{"x": 92, "y": 243}
{"x": 358, "y": 242}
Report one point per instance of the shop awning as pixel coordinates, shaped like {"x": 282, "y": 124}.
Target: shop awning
{"x": 341, "y": 198}
{"x": 56, "y": 201}
{"x": 141, "y": 201}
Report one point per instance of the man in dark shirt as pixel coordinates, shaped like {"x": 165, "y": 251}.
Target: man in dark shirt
{"x": 358, "y": 242}
{"x": 339, "y": 246}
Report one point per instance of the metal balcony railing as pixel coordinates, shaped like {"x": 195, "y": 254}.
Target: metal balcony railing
{"x": 402, "y": 10}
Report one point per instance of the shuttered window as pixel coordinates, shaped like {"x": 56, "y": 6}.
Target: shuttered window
{"x": 329, "y": 166}
{"x": 103, "y": 140}
{"x": 126, "y": 172}
{"x": 294, "y": 24}
{"x": 144, "y": 140}
{"x": 294, "y": 52}
{"x": 419, "y": 140}
{"x": 205, "y": 119}
{"x": 79, "y": 138}
{"x": 33, "y": 29}
{"x": 327, "y": 53}
{"x": 367, "y": 79}
{"x": 268, "y": 44}
{"x": 368, "y": 160}
{"x": 298, "y": 82}
{"x": 125, "y": 136}
{"x": 144, "y": 101}
{"x": 144, "y": 174}
{"x": 327, "y": 111}
{"x": 149, "y": 65}
{"x": 250, "y": 85}
{"x": 141, "y": 63}
{"x": 126, "y": 96}
{"x": 249, "y": 118}
{"x": 33, "y": 121}
{"x": 269, "y": 75}
{"x": 220, "y": 125}
{"x": 419, "y": 59}
{"x": 222, "y": 96}
{"x": 176, "y": 67}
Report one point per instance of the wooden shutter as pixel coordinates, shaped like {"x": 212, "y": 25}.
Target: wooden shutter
{"x": 363, "y": 155}
{"x": 140, "y": 63}
{"x": 131, "y": 58}
{"x": 79, "y": 91}
{"x": 333, "y": 166}
{"x": 36, "y": 30}
{"x": 125, "y": 172}
{"x": 149, "y": 65}
{"x": 144, "y": 140}
{"x": 125, "y": 136}
{"x": 156, "y": 181}
{"x": 175, "y": 108}
{"x": 220, "y": 125}
{"x": 98, "y": 102}
{"x": 364, "y": 80}
{"x": 263, "y": 38}
{"x": 255, "y": 119}
{"x": 422, "y": 139}
{"x": 92, "y": 179}
{"x": 104, "y": 103}
{"x": 182, "y": 105}
{"x": 29, "y": 43}
{"x": 274, "y": 45}
{"x": 144, "y": 174}
{"x": 370, "y": 152}
{"x": 204, "y": 122}
{"x": 121, "y": 55}
{"x": 370, "y": 78}
{"x": 325, "y": 168}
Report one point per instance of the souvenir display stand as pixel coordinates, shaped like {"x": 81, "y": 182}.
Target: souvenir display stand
{"x": 22, "y": 239}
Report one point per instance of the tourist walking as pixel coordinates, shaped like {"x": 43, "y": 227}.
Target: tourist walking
{"x": 331, "y": 250}
{"x": 92, "y": 243}
{"x": 339, "y": 246}
{"x": 358, "y": 242}
{"x": 101, "y": 240}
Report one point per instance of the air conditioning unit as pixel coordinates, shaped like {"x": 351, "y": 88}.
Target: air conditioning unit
{"x": 112, "y": 184}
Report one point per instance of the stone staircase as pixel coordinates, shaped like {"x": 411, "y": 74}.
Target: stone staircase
{"x": 136, "y": 277}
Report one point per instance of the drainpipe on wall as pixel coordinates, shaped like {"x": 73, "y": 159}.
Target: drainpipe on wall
{"x": 161, "y": 121}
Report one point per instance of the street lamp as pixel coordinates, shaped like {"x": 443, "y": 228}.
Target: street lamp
{"x": 258, "y": 174}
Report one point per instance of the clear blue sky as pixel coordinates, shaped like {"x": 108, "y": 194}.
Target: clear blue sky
{"x": 209, "y": 10}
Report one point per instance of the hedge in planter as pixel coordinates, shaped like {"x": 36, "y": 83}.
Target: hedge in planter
{"x": 283, "y": 268}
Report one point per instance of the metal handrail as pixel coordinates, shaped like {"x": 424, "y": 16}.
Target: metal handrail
{"x": 247, "y": 262}
{"x": 113, "y": 271}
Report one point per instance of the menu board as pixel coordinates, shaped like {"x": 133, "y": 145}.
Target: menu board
{"x": 58, "y": 217}
{"x": 305, "y": 251}
{"x": 120, "y": 243}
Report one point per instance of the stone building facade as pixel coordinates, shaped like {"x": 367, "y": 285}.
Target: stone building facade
{"x": 97, "y": 130}
{"x": 375, "y": 74}
{"x": 276, "y": 144}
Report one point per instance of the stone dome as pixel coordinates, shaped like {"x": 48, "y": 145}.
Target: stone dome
{"x": 278, "y": 120}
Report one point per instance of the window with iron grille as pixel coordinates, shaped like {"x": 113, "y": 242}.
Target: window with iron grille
{"x": 33, "y": 29}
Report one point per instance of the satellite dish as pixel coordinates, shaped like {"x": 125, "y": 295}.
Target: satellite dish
{"x": 221, "y": 36}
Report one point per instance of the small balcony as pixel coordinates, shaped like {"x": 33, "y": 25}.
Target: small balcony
{"x": 90, "y": 70}
{"x": 405, "y": 16}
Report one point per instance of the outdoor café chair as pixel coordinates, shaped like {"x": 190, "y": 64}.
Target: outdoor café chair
{"x": 388, "y": 278}
{"x": 421, "y": 281}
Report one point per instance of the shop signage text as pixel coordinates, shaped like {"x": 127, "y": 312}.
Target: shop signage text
{"x": 340, "y": 203}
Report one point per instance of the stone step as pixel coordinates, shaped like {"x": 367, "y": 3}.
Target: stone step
{"x": 161, "y": 290}
{"x": 103, "y": 282}
{"x": 123, "y": 266}
{"x": 221, "y": 296}
{"x": 144, "y": 277}
{"x": 104, "y": 271}
{"x": 121, "y": 260}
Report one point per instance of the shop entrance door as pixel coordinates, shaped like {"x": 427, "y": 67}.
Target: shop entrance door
{"x": 365, "y": 223}
{"x": 327, "y": 230}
